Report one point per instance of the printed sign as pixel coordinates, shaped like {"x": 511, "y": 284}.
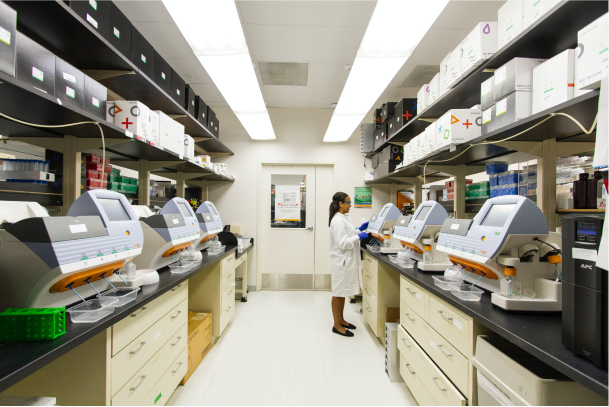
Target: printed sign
{"x": 287, "y": 202}
{"x": 362, "y": 198}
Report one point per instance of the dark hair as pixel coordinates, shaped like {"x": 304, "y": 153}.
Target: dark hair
{"x": 334, "y": 206}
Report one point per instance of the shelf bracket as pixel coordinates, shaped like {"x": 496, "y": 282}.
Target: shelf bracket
{"x": 100, "y": 74}
{"x": 529, "y": 147}
{"x": 570, "y": 148}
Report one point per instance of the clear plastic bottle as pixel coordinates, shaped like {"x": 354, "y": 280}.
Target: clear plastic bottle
{"x": 510, "y": 286}
{"x": 427, "y": 255}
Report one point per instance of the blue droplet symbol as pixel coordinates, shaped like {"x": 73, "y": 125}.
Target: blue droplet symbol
{"x": 486, "y": 29}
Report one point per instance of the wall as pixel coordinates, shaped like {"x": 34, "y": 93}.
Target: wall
{"x": 299, "y": 139}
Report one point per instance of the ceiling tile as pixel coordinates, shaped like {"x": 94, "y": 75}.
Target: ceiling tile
{"x": 328, "y": 74}
{"x": 302, "y": 94}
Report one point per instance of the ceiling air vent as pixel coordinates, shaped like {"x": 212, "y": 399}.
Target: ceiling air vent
{"x": 420, "y": 75}
{"x": 284, "y": 73}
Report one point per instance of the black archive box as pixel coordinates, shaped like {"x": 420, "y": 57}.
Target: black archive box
{"x": 142, "y": 53}
{"x": 212, "y": 122}
{"x": 391, "y": 153}
{"x": 191, "y": 104}
{"x": 380, "y": 136}
{"x": 8, "y": 40}
{"x": 405, "y": 110}
{"x": 390, "y": 127}
{"x": 387, "y": 111}
{"x": 35, "y": 65}
{"x": 119, "y": 30}
{"x": 95, "y": 13}
{"x": 177, "y": 90}
{"x": 377, "y": 117}
{"x": 162, "y": 73}
{"x": 69, "y": 84}
{"x": 201, "y": 111}
{"x": 96, "y": 96}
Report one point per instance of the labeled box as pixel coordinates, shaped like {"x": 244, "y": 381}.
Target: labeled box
{"x": 177, "y": 134}
{"x": 404, "y": 111}
{"x": 591, "y": 60}
{"x": 391, "y": 153}
{"x": 427, "y": 141}
{"x": 387, "y": 111}
{"x": 414, "y": 148}
{"x": 119, "y": 30}
{"x": 377, "y": 116}
{"x": 213, "y": 124}
{"x": 8, "y": 39}
{"x": 488, "y": 120}
{"x": 177, "y": 90}
{"x": 189, "y": 147}
{"x": 366, "y": 144}
{"x": 553, "y": 81}
{"x": 380, "y": 136}
{"x": 142, "y": 53}
{"x": 110, "y": 109}
{"x": 408, "y": 154}
{"x": 191, "y": 105}
{"x": 69, "y": 84}
{"x": 458, "y": 126}
{"x": 390, "y": 127}
{"x": 133, "y": 116}
{"x": 201, "y": 111}
{"x": 154, "y": 137}
{"x": 95, "y": 99}
{"x": 516, "y": 106}
{"x": 534, "y": 9}
{"x": 95, "y": 13}
{"x": 510, "y": 22}
{"x": 478, "y": 46}
{"x": 161, "y": 73}
{"x": 576, "y": 90}
{"x": 516, "y": 75}
{"x": 445, "y": 71}
{"x": 434, "y": 89}
{"x": 422, "y": 98}
{"x": 487, "y": 93}
{"x": 35, "y": 65}
{"x": 454, "y": 68}
{"x": 199, "y": 341}
{"x": 165, "y": 131}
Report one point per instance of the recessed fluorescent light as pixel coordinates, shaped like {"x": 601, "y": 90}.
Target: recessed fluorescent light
{"x": 213, "y": 31}
{"x": 394, "y": 31}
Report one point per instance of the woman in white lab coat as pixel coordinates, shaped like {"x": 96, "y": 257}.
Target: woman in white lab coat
{"x": 345, "y": 259}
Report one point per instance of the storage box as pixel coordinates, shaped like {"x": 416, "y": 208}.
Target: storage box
{"x": 211, "y": 119}
{"x": 422, "y": 98}
{"x": 404, "y": 111}
{"x": 69, "y": 84}
{"x": 199, "y": 341}
{"x": 110, "y": 108}
{"x": 516, "y": 75}
{"x": 390, "y": 127}
{"x": 450, "y": 70}
{"x": 377, "y": 117}
{"x": 165, "y": 129}
{"x": 8, "y": 39}
{"x": 142, "y": 53}
{"x": 201, "y": 111}
{"x": 387, "y": 111}
{"x": 414, "y": 148}
{"x": 161, "y": 73}
{"x": 375, "y": 161}
{"x": 434, "y": 89}
{"x": 427, "y": 142}
{"x": 380, "y": 136}
{"x": 576, "y": 90}
{"x": 178, "y": 88}
{"x": 154, "y": 137}
{"x": 367, "y": 138}
{"x": 189, "y": 146}
{"x": 592, "y": 59}
{"x": 516, "y": 106}
{"x": 190, "y": 100}
{"x": 391, "y": 153}
{"x": 95, "y": 13}
{"x": 119, "y": 30}
{"x": 458, "y": 126}
{"x": 95, "y": 98}
{"x": 488, "y": 120}
{"x": 407, "y": 153}
{"x": 510, "y": 22}
{"x": 487, "y": 93}
{"x": 35, "y": 65}
{"x": 478, "y": 46}
{"x": 134, "y": 116}
{"x": 534, "y": 9}
{"x": 553, "y": 81}
{"x": 178, "y": 138}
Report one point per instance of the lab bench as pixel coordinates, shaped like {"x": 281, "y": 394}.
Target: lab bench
{"x": 539, "y": 335}
{"x": 136, "y": 355}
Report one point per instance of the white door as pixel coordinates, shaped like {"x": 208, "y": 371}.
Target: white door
{"x": 289, "y": 226}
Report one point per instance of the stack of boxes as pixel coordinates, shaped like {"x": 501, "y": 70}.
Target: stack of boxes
{"x": 517, "y": 15}
{"x": 121, "y": 183}
{"x": 514, "y": 182}
{"x": 457, "y": 126}
{"x": 91, "y": 171}
{"x": 388, "y": 160}
{"x": 479, "y": 190}
{"x": 448, "y": 193}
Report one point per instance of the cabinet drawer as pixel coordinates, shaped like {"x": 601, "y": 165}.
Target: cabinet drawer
{"x": 228, "y": 307}
{"x": 414, "y": 384}
{"x": 370, "y": 280}
{"x": 228, "y": 263}
{"x": 227, "y": 280}
{"x": 370, "y": 264}
{"x": 371, "y": 298}
{"x": 129, "y": 328}
{"x": 414, "y": 324}
{"x": 405, "y": 342}
{"x": 440, "y": 388}
{"x": 129, "y": 360}
{"x": 451, "y": 325}
{"x": 371, "y": 317}
{"x": 162, "y": 391}
{"x": 449, "y": 359}
{"x": 414, "y": 296}
{"x": 240, "y": 260}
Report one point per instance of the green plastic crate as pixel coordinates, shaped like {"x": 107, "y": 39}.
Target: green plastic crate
{"x": 133, "y": 181}
{"x": 115, "y": 172}
{"x": 113, "y": 178}
{"x": 32, "y": 324}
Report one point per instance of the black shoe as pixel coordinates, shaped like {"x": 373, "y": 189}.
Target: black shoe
{"x": 347, "y": 333}
{"x": 350, "y": 326}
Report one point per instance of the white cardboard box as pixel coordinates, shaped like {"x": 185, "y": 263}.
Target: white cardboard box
{"x": 534, "y": 9}
{"x": 422, "y": 98}
{"x": 515, "y": 75}
{"x": 428, "y": 142}
{"x": 510, "y": 22}
{"x": 553, "y": 81}
{"x": 576, "y": 90}
{"x": 478, "y": 46}
{"x": 516, "y": 106}
{"x": 178, "y": 138}
{"x": 450, "y": 70}
{"x": 133, "y": 116}
{"x": 110, "y": 111}
{"x": 487, "y": 93}
{"x": 593, "y": 58}
{"x": 434, "y": 89}
{"x": 154, "y": 138}
{"x": 458, "y": 126}
{"x": 189, "y": 147}
{"x": 165, "y": 127}
{"x": 408, "y": 153}
{"x": 414, "y": 149}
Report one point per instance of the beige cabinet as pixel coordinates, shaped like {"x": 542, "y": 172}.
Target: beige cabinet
{"x": 381, "y": 290}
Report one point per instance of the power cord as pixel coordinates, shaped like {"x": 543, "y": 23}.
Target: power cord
{"x": 69, "y": 125}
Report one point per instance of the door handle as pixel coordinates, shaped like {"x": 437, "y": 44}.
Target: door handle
{"x": 411, "y": 292}
{"x": 179, "y": 285}
{"x": 176, "y": 315}
{"x": 404, "y": 340}
{"x": 411, "y": 319}
{"x": 176, "y": 342}
{"x": 135, "y": 314}
{"x": 177, "y": 368}
{"x": 310, "y": 228}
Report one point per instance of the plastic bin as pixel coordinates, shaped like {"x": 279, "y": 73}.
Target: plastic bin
{"x": 99, "y": 167}
{"x": 32, "y": 324}
{"x": 95, "y": 183}
{"x": 217, "y": 250}
{"x": 90, "y": 311}
{"x": 444, "y": 282}
{"x": 496, "y": 168}
{"x": 373, "y": 248}
{"x": 466, "y": 292}
{"x": 182, "y": 268}
{"x": 124, "y": 295}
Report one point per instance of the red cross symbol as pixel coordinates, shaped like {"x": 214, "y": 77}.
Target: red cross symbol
{"x": 407, "y": 115}
{"x": 127, "y": 123}
{"x": 467, "y": 124}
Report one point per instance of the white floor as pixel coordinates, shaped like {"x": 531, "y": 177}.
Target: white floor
{"x": 279, "y": 350}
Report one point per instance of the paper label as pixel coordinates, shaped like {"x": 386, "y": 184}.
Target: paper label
{"x": 117, "y": 33}
{"x": 93, "y": 4}
{"x": 419, "y": 296}
{"x": 433, "y": 345}
{"x": 501, "y": 107}
{"x": 59, "y": 101}
{"x": 70, "y": 92}
{"x": 5, "y": 36}
{"x": 68, "y": 77}
{"x": 157, "y": 335}
{"x": 92, "y": 21}
{"x": 457, "y": 324}
{"x": 584, "y": 254}
{"x": 500, "y": 74}
{"x": 95, "y": 102}
{"x": 175, "y": 221}
{"x": 454, "y": 227}
{"x": 403, "y": 220}
{"x": 485, "y": 88}
{"x": 143, "y": 57}
{"x": 128, "y": 134}
{"x": 38, "y": 74}
{"x": 486, "y": 116}
{"x": 163, "y": 75}
{"x": 178, "y": 92}
{"x": 78, "y": 228}
{"x": 181, "y": 156}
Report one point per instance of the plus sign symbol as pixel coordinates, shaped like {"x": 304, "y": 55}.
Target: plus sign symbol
{"x": 467, "y": 124}
{"x": 439, "y": 129}
{"x": 407, "y": 115}
{"x": 127, "y": 123}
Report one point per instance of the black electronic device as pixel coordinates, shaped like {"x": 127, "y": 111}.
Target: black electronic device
{"x": 8, "y": 40}
{"x": 191, "y": 104}
{"x": 162, "y": 73}
{"x": 228, "y": 238}
{"x": 178, "y": 88}
{"x": 142, "y": 53}
{"x": 35, "y": 65}
{"x": 201, "y": 111}
{"x": 95, "y": 13}
{"x": 390, "y": 127}
{"x": 119, "y": 30}
{"x": 584, "y": 291}
{"x": 69, "y": 84}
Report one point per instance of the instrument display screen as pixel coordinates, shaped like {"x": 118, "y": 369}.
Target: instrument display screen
{"x": 497, "y": 215}
{"x": 185, "y": 210}
{"x": 213, "y": 210}
{"x": 383, "y": 212}
{"x": 115, "y": 211}
{"x": 423, "y": 214}
{"x": 586, "y": 228}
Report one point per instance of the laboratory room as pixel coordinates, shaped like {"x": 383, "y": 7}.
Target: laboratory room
{"x": 304, "y": 203}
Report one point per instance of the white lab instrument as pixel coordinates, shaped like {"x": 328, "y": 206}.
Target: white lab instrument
{"x": 14, "y": 211}
{"x": 167, "y": 235}
{"x": 142, "y": 211}
{"x": 419, "y": 233}
{"x": 500, "y": 244}
{"x": 381, "y": 228}
{"x": 210, "y": 224}
{"x": 51, "y": 261}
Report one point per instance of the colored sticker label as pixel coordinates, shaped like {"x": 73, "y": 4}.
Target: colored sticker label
{"x": 70, "y": 92}
{"x": 158, "y": 398}
{"x": 453, "y": 119}
{"x": 5, "y": 36}
{"x": 178, "y": 92}
{"x": 95, "y": 102}
{"x": 500, "y": 74}
{"x": 81, "y": 228}
{"x": 446, "y": 134}
{"x": 175, "y": 221}
{"x": 128, "y": 134}
{"x": 501, "y": 107}
{"x": 68, "y": 77}
{"x": 457, "y": 324}
{"x": 143, "y": 57}
{"x": 93, "y": 4}
{"x": 486, "y": 115}
{"x": 92, "y": 21}
{"x": 117, "y": 33}
{"x": 38, "y": 74}
{"x": 485, "y": 88}
{"x": 163, "y": 75}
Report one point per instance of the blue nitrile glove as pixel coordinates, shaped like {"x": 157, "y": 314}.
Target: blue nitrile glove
{"x": 363, "y": 235}
{"x": 364, "y": 226}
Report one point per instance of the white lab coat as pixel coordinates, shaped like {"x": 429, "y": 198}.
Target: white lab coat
{"x": 344, "y": 256}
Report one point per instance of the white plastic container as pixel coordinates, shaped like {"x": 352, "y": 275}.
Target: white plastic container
{"x": 123, "y": 295}
{"x": 466, "y": 292}
{"x": 89, "y": 311}
{"x": 216, "y": 250}
{"x": 176, "y": 268}
{"x": 407, "y": 264}
{"x": 373, "y": 248}
{"x": 444, "y": 282}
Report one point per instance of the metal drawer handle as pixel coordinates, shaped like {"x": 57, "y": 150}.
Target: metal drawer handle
{"x": 436, "y": 382}
{"x": 411, "y": 292}
{"x": 135, "y": 314}
{"x": 176, "y": 315}
{"x": 229, "y": 276}
{"x": 411, "y": 319}
{"x": 369, "y": 261}
{"x": 176, "y": 342}
{"x": 177, "y": 368}
{"x": 228, "y": 309}
{"x": 444, "y": 352}
{"x": 368, "y": 309}
{"x": 368, "y": 275}
{"x": 409, "y": 369}
{"x": 133, "y": 352}
{"x": 175, "y": 288}
{"x": 407, "y": 345}
{"x": 448, "y": 319}
{"x": 139, "y": 384}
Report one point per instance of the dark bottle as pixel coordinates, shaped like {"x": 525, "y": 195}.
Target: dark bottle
{"x": 592, "y": 192}
{"x": 580, "y": 192}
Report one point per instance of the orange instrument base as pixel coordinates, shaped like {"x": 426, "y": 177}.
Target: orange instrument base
{"x": 474, "y": 267}
{"x": 176, "y": 249}
{"x": 413, "y": 247}
{"x": 80, "y": 279}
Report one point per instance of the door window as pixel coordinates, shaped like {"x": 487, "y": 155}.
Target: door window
{"x": 288, "y": 201}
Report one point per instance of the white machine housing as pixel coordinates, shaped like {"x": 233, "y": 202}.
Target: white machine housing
{"x": 423, "y": 229}
{"x": 167, "y": 234}
{"x": 14, "y": 211}
{"x": 491, "y": 241}
{"x": 210, "y": 224}
{"x": 43, "y": 256}
{"x": 382, "y": 225}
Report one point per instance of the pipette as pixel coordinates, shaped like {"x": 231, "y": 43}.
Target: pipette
{"x": 76, "y": 292}
{"x": 92, "y": 286}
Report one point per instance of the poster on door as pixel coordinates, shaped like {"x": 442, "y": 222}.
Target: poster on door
{"x": 363, "y": 197}
{"x": 287, "y": 202}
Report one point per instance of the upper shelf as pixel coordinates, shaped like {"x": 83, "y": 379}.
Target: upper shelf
{"x": 55, "y": 26}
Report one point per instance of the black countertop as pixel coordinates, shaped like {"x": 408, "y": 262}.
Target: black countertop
{"x": 20, "y": 359}
{"x": 540, "y": 335}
